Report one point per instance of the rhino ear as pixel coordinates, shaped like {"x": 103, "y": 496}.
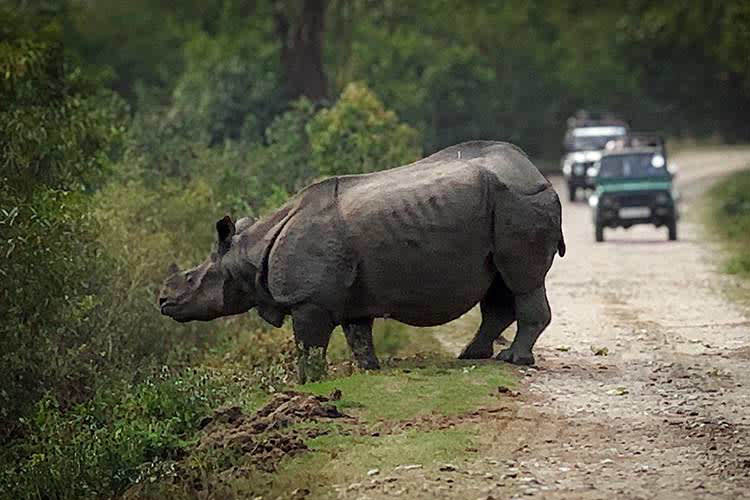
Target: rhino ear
{"x": 173, "y": 268}
{"x": 225, "y": 230}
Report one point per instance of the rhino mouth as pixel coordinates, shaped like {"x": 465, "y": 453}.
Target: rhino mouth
{"x": 168, "y": 309}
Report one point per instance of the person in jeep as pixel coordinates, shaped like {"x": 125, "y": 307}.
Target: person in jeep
{"x": 634, "y": 187}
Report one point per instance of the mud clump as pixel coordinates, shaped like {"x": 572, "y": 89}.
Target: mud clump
{"x": 266, "y": 436}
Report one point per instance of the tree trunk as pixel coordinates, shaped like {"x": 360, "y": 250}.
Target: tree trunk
{"x": 301, "y": 36}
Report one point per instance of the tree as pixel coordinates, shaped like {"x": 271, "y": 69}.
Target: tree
{"x": 300, "y": 29}
{"x": 57, "y": 133}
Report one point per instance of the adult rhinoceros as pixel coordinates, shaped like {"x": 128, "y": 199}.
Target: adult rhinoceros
{"x": 421, "y": 244}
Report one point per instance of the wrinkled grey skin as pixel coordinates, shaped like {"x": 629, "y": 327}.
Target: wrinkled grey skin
{"x": 421, "y": 244}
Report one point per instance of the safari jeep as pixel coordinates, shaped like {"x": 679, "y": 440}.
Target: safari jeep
{"x": 584, "y": 145}
{"x": 634, "y": 186}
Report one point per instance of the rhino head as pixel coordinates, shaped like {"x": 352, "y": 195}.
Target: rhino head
{"x": 209, "y": 290}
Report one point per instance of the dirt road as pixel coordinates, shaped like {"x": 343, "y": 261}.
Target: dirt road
{"x": 666, "y": 413}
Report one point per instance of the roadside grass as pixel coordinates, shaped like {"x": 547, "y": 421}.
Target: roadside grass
{"x": 414, "y": 388}
{"x": 727, "y": 215}
{"x": 729, "y": 212}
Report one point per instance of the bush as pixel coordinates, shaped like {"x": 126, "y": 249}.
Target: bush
{"x": 731, "y": 219}
{"x": 57, "y": 133}
{"x": 359, "y": 135}
{"x": 124, "y": 435}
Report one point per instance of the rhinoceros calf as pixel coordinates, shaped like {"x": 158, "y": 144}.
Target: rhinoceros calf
{"x": 421, "y": 244}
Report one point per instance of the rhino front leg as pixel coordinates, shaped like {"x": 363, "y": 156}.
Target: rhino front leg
{"x": 312, "y": 331}
{"x": 533, "y": 315}
{"x": 498, "y": 313}
{"x": 359, "y": 337}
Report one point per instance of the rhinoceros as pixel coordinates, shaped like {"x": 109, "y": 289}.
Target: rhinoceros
{"x": 422, "y": 244}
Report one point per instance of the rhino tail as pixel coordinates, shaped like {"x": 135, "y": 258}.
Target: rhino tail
{"x": 561, "y": 245}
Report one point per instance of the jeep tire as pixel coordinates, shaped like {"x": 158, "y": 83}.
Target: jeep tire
{"x": 599, "y": 233}
{"x": 672, "y": 228}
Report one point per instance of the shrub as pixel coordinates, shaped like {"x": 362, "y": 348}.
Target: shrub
{"x": 731, "y": 219}
{"x": 57, "y": 133}
{"x": 359, "y": 135}
{"x": 125, "y": 434}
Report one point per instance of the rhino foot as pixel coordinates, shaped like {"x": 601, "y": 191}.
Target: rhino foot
{"x": 473, "y": 351}
{"x": 517, "y": 358}
{"x": 369, "y": 363}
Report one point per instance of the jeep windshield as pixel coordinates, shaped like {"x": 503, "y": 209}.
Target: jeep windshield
{"x": 593, "y": 138}
{"x": 632, "y": 165}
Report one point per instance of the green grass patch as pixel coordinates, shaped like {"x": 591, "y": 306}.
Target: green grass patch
{"x": 412, "y": 388}
{"x": 729, "y": 217}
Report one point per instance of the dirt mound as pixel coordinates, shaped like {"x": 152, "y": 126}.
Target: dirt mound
{"x": 266, "y": 434}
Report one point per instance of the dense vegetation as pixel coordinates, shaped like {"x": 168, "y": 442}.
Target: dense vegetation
{"x": 128, "y": 128}
{"x": 730, "y": 217}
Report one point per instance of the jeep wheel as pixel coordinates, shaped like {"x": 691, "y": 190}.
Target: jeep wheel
{"x": 672, "y": 227}
{"x": 572, "y": 192}
{"x": 599, "y": 233}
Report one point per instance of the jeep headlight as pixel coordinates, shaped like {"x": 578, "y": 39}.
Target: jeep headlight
{"x": 592, "y": 171}
{"x": 567, "y": 167}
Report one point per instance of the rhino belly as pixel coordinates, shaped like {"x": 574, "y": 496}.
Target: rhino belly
{"x": 426, "y": 288}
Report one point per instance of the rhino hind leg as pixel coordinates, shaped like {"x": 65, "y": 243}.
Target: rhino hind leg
{"x": 498, "y": 312}
{"x": 312, "y": 331}
{"x": 533, "y": 314}
{"x": 359, "y": 337}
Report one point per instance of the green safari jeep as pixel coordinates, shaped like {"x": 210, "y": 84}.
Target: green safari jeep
{"x": 634, "y": 186}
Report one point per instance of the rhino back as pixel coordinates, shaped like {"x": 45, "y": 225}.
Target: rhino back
{"x": 507, "y": 162}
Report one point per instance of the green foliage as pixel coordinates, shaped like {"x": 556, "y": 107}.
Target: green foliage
{"x": 230, "y": 87}
{"x": 124, "y": 435}
{"x": 359, "y": 135}
{"x": 55, "y": 125}
{"x": 730, "y": 213}
{"x": 57, "y": 132}
{"x": 134, "y": 44}
{"x": 284, "y": 165}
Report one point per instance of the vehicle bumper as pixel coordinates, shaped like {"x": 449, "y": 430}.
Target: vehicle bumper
{"x": 610, "y": 217}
